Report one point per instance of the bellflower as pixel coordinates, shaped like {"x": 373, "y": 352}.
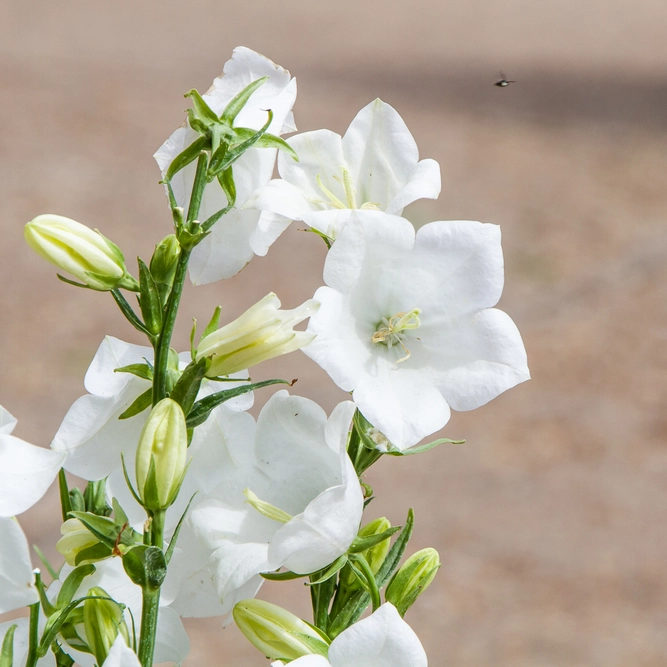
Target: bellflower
{"x": 406, "y": 322}
{"x": 121, "y": 656}
{"x": 277, "y": 509}
{"x": 17, "y": 587}
{"x": 236, "y": 238}
{"x": 383, "y": 638}
{"x": 374, "y": 166}
{"x": 26, "y": 471}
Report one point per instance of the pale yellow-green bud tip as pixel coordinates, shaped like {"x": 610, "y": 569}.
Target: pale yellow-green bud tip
{"x": 412, "y": 579}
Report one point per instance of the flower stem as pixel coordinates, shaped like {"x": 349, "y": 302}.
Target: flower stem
{"x": 150, "y": 603}
{"x": 31, "y": 660}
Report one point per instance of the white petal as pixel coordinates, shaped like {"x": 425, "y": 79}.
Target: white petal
{"x": 281, "y": 197}
{"x": 16, "y": 578}
{"x": 380, "y": 152}
{"x": 479, "y": 357}
{"x": 26, "y": 472}
{"x": 21, "y": 643}
{"x": 121, "y": 656}
{"x": 423, "y": 183}
{"x": 306, "y": 661}
{"x": 383, "y": 639}
{"x": 7, "y": 421}
{"x": 171, "y": 639}
{"x": 269, "y": 227}
{"x": 330, "y": 222}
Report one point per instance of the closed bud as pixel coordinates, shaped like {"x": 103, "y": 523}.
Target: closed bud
{"x": 161, "y": 455}
{"x": 85, "y": 253}
{"x": 277, "y": 633}
{"x": 375, "y": 555}
{"x": 164, "y": 260}
{"x": 412, "y": 579}
{"x": 76, "y": 538}
{"x": 261, "y": 333}
{"x": 102, "y": 621}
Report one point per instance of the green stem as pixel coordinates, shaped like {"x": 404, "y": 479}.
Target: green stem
{"x": 198, "y": 187}
{"x": 157, "y": 528}
{"x": 31, "y": 660}
{"x": 164, "y": 339}
{"x": 150, "y": 603}
{"x": 320, "y": 596}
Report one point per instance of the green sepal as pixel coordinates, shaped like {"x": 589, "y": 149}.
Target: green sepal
{"x": 62, "y": 659}
{"x": 362, "y": 569}
{"x": 149, "y": 299}
{"x": 145, "y": 566}
{"x": 130, "y": 315}
{"x": 149, "y": 494}
{"x": 139, "y": 404}
{"x": 172, "y": 544}
{"x": 143, "y": 371}
{"x": 94, "y": 498}
{"x": 226, "y": 180}
{"x": 197, "y": 124}
{"x": 202, "y": 110}
{"x": 233, "y": 109}
{"x": 394, "y": 451}
{"x": 107, "y": 530}
{"x": 119, "y": 514}
{"x": 47, "y": 607}
{"x": 183, "y": 159}
{"x": 213, "y": 324}
{"x": 267, "y": 141}
{"x": 193, "y": 333}
{"x": 71, "y": 584}
{"x": 202, "y": 408}
{"x": 135, "y": 495}
{"x": 218, "y": 157}
{"x": 63, "y": 489}
{"x": 362, "y": 543}
{"x": 7, "y": 651}
{"x": 73, "y": 282}
{"x": 186, "y": 389}
{"x": 76, "y": 500}
{"x": 329, "y": 572}
{"x": 288, "y": 575}
{"x": 97, "y": 552}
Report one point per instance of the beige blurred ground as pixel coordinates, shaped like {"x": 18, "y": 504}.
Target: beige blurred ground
{"x": 551, "y": 520}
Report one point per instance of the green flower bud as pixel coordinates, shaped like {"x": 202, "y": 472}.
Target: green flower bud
{"x": 161, "y": 455}
{"x": 277, "y": 633}
{"x": 85, "y": 253}
{"x": 412, "y": 579}
{"x": 375, "y": 555}
{"x": 75, "y": 539}
{"x": 261, "y": 333}
{"x": 164, "y": 260}
{"x": 102, "y": 621}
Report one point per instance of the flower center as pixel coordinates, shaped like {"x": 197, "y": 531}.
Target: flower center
{"x": 390, "y": 331}
{"x": 266, "y": 509}
{"x": 350, "y": 193}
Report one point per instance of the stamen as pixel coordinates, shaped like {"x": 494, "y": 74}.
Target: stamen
{"x": 335, "y": 202}
{"x": 392, "y": 330}
{"x": 266, "y": 509}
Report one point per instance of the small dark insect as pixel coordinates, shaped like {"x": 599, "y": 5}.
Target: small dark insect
{"x": 503, "y": 82}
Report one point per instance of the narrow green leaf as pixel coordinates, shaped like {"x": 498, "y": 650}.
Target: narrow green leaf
{"x": 63, "y": 488}
{"x": 172, "y": 544}
{"x": 202, "y": 109}
{"x": 337, "y": 565}
{"x": 71, "y": 584}
{"x": 213, "y": 324}
{"x": 40, "y": 554}
{"x": 233, "y": 109}
{"x": 186, "y": 389}
{"x": 72, "y": 282}
{"x": 267, "y": 141}
{"x": 143, "y": 371}
{"x": 130, "y": 315}
{"x": 7, "y": 652}
{"x": 183, "y": 159}
{"x": 362, "y": 543}
{"x": 393, "y": 451}
{"x": 142, "y": 402}
{"x": 149, "y": 299}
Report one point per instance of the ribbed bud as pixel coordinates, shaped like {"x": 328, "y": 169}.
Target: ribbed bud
{"x": 164, "y": 260}
{"x": 277, "y": 633}
{"x": 85, "y": 253}
{"x": 102, "y": 621}
{"x": 75, "y": 539}
{"x": 261, "y": 333}
{"x": 412, "y": 579}
{"x": 161, "y": 455}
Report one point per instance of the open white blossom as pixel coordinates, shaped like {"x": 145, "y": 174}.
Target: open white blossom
{"x": 121, "y": 656}
{"x": 26, "y": 471}
{"x": 406, "y": 322}
{"x": 278, "y": 508}
{"x": 236, "y": 237}
{"x": 17, "y": 588}
{"x": 374, "y": 166}
{"x": 383, "y": 639}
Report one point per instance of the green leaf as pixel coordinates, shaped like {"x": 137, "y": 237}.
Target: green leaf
{"x": 233, "y": 109}
{"x": 7, "y": 652}
{"x": 183, "y": 159}
{"x": 362, "y": 543}
{"x": 203, "y": 110}
{"x": 394, "y": 451}
{"x": 143, "y": 371}
{"x": 172, "y": 544}
{"x": 146, "y": 566}
{"x": 149, "y": 299}
{"x": 186, "y": 389}
{"x": 71, "y": 584}
{"x": 213, "y": 324}
{"x": 142, "y": 402}
{"x": 395, "y": 554}
{"x": 202, "y": 408}
{"x": 267, "y": 141}
{"x": 329, "y": 572}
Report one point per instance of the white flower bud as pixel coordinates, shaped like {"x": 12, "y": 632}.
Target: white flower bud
{"x": 85, "y": 253}
{"x": 161, "y": 455}
{"x": 261, "y": 333}
{"x": 75, "y": 539}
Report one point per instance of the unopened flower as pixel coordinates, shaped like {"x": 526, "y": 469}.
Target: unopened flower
{"x": 103, "y": 622}
{"x": 234, "y": 241}
{"x": 276, "y": 632}
{"x": 375, "y": 166}
{"x": 412, "y": 579}
{"x": 383, "y": 638}
{"x": 407, "y": 324}
{"x": 85, "y": 253}
{"x": 161, "y": 455}
{"x": 75, "y": 539}
{"x": 261, "y": 333}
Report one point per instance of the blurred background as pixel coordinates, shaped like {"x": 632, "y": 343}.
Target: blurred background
{"x": 550, "y": 521}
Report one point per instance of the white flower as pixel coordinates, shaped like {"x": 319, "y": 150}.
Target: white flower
{"x": 383, "y": 639}
{"x": 374, "y": 166}
{"x": 296, "y": 471}
{"x": 407, "y": 322}
{"x": 26, "y": 471}
{"x": 234, "y": 239}
{"x": 121, "y": 656}
{"x": 17, "y": 587}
